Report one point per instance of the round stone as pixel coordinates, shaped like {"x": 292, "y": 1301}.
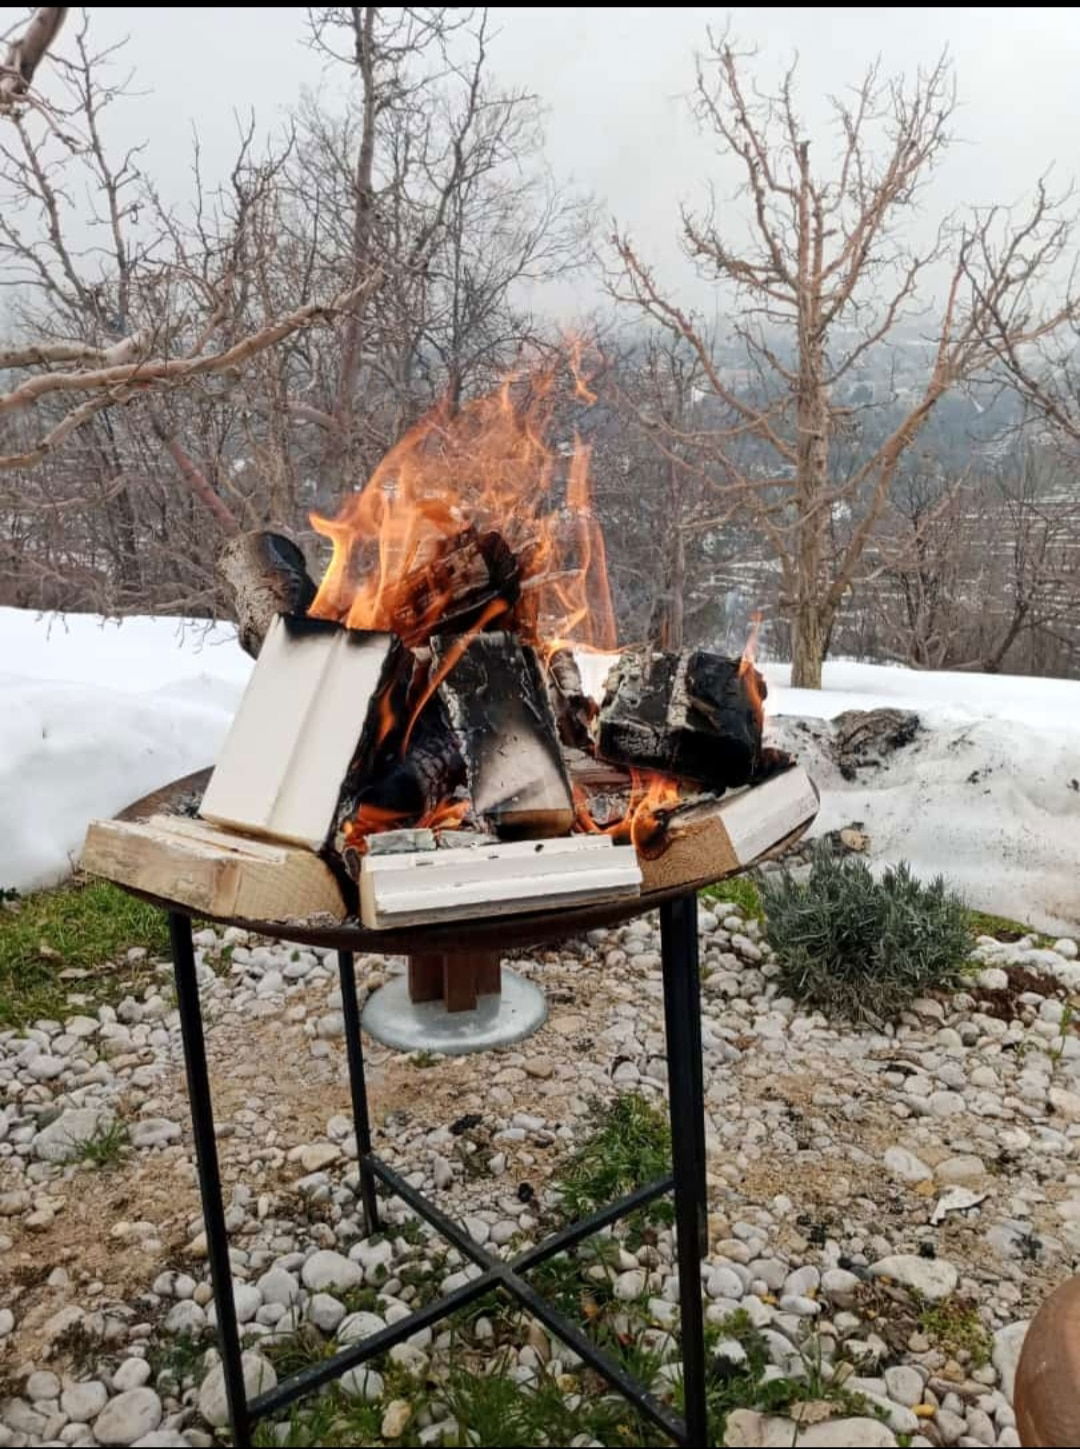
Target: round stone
{"x": 128, "y": 1418}
{"x": 362, "y": 1383}
{"x": 132, "y": 1374}
{"x": 325, "y": 1311}
{"x": 326, "y": 1269}
{"x": 83, "y": 1402}
{"x": 259, "y": 1376}
{"x": 43, "y": 1385}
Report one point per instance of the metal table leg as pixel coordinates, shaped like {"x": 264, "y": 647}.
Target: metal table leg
{"x": 682, "y": 1011}
{"x": 213, "y": 1208}
{"x": 686, "y": 1102}
{"x": 358, "y": 1089}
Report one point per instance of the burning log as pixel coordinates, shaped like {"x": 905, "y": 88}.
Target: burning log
{"x": 280, "y": 770}
{"x": 398, "y": 778}
{"x": 500, "y": 710}
{"x": 462, "y": 579}
{"x": 701, "y": 840}
{"x": 574, "y": 710}
{"x": 267, "y": 575}
{"x": 694, "y": 715}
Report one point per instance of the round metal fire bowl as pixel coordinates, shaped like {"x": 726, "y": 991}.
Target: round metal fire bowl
{"x": 496, "y": 1021}
{"x": 495, "y": 933}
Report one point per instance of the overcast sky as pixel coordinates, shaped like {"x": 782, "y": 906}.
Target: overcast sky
{"x": 614, "y": 82}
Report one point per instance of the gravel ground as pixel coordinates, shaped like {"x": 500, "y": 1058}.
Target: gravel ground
{"x": 887, "y": 1209}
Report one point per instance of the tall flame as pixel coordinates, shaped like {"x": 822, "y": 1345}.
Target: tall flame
{"x": 490, "y": 465}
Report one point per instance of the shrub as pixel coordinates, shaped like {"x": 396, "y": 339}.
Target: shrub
{"x": 860, "y": 947}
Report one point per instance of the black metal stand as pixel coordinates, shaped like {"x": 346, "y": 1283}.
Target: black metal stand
{"x": 682, "y": 1012}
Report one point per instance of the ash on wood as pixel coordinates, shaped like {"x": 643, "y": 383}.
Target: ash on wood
{"x": 502, "y": 716}
{"x": 396, "y": 784}
{"x": 451, "y": 584}
{"x": 574, "y": 710}
{"x": 267, "y": 575}
{"x": 693, "y": 715}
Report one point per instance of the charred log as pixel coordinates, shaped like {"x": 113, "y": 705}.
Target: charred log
{"x": 692, "y": 715}
{"x": 575, "y": 711}
{"x": 389, "y": 786}
{"x": 453, "y": 586}
{"x": 267, "y": 575}
{"x": 501, "y": 713}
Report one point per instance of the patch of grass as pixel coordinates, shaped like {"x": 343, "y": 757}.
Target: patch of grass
{"x": 81, "y": 925}
{"x": 630, "y": 1144}
{"x": 954, "y": 1326}
{"x": 291, "y": 1352}
{"x": 1002, "y": 928}
{"x": 179, "y": 1358}
{"x": 744, "y": 1385}
{"x": 107, "y": 1148}
{"x": 424, "y": 1059}
{"x": 740, "y": 891}
{"x": 860, "y": 947}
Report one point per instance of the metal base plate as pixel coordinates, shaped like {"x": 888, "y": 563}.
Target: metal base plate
{"x": 407, "y": 1026}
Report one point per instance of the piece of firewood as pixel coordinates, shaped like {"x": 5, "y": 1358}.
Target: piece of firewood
{"x": 704, "y": 841}
{"x": 449, "y": 583}
{"x": 267, "y": 575}
{"x": 692, "y": 715}
{"x": 498, "y": 880}
{"x": 574, "y": 710}
{"x": 213, "y": 872}
{"x": 502, "y": 716}
{"x": 280, "y": 769}
{"x": 403, "y": 769}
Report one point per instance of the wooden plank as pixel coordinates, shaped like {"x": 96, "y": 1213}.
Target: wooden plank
{"x": 426, "y": 976}
{"x": 213, "y": 872}
{"x": 281, "y": 767}
{"x": 502, "y": 879}
{"x": 709, "y": 841}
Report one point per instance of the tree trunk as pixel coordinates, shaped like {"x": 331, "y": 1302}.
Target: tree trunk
{"x": 808, "y": 638}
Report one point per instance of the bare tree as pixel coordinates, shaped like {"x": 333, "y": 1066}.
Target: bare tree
{"x": 824, "y": 279}
{"x": 156, "y": 304}
{"x": 24, "y": 54}
{"x": 418, "y": 210}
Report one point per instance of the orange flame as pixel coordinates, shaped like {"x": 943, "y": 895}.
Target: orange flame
{"x": 490, "y": 465}
{"x": 747, "y": 671}
{"x": 649, "y": 793}
{"x": 447, "y": 815}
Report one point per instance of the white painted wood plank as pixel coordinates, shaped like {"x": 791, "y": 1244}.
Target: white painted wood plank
{"x": 757, "y": 818}
{"x": 283, "y": 762}
{"x": 381, "y": 909}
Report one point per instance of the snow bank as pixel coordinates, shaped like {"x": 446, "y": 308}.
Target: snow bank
{"x": 988, "y": 795}
{"x": 93, "y": 715}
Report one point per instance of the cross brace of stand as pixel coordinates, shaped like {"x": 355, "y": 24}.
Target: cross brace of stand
{"x": 682, "y": 1013}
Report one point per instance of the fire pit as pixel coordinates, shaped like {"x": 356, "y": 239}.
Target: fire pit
{"x": 682, "y": 1012}
{"x": 418, "y": 767}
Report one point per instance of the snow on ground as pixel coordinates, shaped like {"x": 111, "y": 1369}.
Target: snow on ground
{"x": 988, "y": 795}
{"x": 93, "y": 715}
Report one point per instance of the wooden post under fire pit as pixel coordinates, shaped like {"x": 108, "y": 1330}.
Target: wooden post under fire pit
{"x": 456, "y": 980}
